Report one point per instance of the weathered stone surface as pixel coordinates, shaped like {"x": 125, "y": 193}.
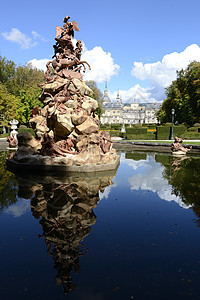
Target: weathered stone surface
{"x": 82, "y": 144}
{"x": 81, "y": 87}
{"x": 94, "y": 138}
{"x": 79, "y": 117}
{"x": 88, "y": 127}
{"x": 56, "y": 85}
{"x": 65, "y": 120}
{"x": 89, "y": 104}
{"x": 71, "y": 103}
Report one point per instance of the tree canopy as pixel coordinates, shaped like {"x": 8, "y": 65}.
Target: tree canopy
{"x": 18, "y": 91}
{"x": 184, "y": 96}
{"x": 97, "y": 95}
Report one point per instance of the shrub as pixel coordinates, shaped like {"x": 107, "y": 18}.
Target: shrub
{"x": 30, "y": 130}
{"x": 196, "y": 125}
{"x": 192, "y": 136}
{"x": 163, "y": 159}
{"x": 192, "y": 129}
{"x": 163, "y": 132}
{"x": 115, "y": 133}
{"x": 4, "y": 135}
{"x": 116, "y": 126}
{"x": 179, "y": 130}
{"x": 136, "y": 130}
{"x": 147, "y": 136}
{"x": 135, "y": 156}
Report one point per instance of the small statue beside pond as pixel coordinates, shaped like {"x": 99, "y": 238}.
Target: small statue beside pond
{"x": 12, "y": 141}
{"x": 177, "y": 147}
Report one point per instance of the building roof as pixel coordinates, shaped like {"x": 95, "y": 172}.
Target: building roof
{"x": 112, "y": 105}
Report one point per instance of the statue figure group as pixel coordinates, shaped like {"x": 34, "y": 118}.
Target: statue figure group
{"x": 66, "y": 59}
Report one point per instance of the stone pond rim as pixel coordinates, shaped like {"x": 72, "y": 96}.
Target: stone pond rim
{"x": 17, "y": 167}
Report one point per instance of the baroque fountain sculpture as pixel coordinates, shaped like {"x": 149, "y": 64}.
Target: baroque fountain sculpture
{"x": 66, "y": 128}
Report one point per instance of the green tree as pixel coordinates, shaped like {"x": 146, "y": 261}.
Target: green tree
{"x": 19, "y": 91}
{"x": 184, "y": 96}
{"x": 97, "y": 95}
{"x": 8, "y": 184}
{"x": 10, "y": 106}
{"x": 7, "y": 71}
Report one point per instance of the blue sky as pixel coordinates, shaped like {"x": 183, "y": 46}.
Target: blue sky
{"x": 136, "y": 46}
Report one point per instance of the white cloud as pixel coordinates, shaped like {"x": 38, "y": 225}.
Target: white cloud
{"x": 16, "y": 36}
{"x": 35, "y": 35}
{"x": 135, "y": 93}
{"x": 149, "y": 176}
{"x": 39, "y": 64}
{"x": 107, "y": 190}
{"x": 102, "y": 65}
{"x": 25, "y": 41}
{"x": 162, "y": 73}
{"x": 18, "y": 209}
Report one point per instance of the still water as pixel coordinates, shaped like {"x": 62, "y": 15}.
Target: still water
{"x": 129, "y": 234}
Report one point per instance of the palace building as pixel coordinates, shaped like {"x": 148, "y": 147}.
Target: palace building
{"x": 127, "y": 113}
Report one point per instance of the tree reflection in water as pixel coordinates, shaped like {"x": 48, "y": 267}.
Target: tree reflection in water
{"x": 8, "y": 183}
{"x": 65, "y": 209}
{"x": 183, "y": 174}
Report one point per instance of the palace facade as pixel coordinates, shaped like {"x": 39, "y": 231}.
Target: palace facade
{"x": 127, "y": 113}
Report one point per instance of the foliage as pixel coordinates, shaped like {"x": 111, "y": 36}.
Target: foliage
{"x": 19, "y": 91}
{"x": 184, "y": 96}
{"x": 136, "y": 130}
{"x": 30, "y": 130}
{"x": 7, "y": 70}
{"x": 147, "y": 136}
{"x": 97, "y": 95}
{"x": 10, "y": 106}
{"x": 179, "y": 130}
{"x": 8, "y": 184}
{"x": 136, "y": 156}
{"x": 192, "y": 136}
{"x": 183, "y": 175}
{"x": 163, "y": 132}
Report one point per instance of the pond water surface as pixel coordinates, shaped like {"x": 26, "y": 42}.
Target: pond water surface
{"x": 129, "y": 234}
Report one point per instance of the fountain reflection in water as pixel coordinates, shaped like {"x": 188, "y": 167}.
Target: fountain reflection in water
{"x": 65, "y": 209}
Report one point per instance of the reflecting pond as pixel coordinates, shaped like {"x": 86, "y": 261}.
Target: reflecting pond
{"x": 129, "y": 234}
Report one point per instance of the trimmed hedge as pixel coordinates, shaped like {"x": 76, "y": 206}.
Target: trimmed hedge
{"x": 104, "y": 127}
{"x": 163, "y": 159}
{"x": 4, "y": 135}
{"x": 30, "y": 130}
{"x": 147, "y": 136}
{"x": 136, "y": 156}
{"x": 116, "y": 126}
{"x": 179, "y": 130}
{"x": 193, "y": 129}
{"x": 192, "y": 136}
{"x": 163, "y": 132}
{"x": 115, "y": 133}
{"x": 136, "y": 130}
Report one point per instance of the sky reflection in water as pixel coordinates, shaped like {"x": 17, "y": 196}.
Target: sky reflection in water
{"x": 137, "y": 238}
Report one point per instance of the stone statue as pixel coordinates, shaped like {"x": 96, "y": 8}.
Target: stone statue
{"x": 177, "y": 147}
{"x": 12, "y": 141}
{"x": 67, "y": 127}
